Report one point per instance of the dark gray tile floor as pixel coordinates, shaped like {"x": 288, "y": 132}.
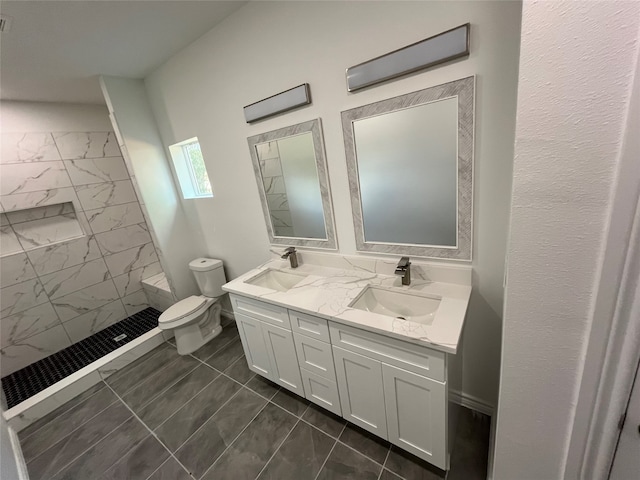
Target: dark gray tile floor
{"x": 207, "y": 416}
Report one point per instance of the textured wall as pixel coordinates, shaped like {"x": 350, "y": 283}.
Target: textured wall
{"x": 201, "y": 91}
{"x": 65, "y": 274}
{"x": 576, "y": 71}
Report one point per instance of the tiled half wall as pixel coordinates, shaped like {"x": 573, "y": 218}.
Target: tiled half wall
{"x": 60, "y": 283}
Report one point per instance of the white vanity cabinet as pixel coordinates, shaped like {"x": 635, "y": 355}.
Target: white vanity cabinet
{"x": 268, "y": 343}
{"x": 392, "y": 388}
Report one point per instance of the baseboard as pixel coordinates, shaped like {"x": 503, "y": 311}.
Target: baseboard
{"x": 469, "y": 401}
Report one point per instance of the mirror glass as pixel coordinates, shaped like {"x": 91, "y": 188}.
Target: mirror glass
{"x": 407, "y": 169}
{"x": 410, "y": 168}
{"x": 290, "y": 179}
{"x": 293, "y": 183}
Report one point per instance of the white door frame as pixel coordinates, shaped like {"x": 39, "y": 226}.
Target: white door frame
{"x": 613, "y": 351}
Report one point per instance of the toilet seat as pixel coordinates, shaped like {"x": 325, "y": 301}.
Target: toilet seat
{"x": 184, "y": 311}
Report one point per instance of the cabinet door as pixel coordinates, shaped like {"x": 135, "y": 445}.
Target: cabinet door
{"x": 361, "y": 393}
{"x": 255, "y": 347}
{"x": 282, "y": 353}
{"x": 416, "y": 414}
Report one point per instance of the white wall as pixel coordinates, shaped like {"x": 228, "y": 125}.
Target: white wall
{"x": 18, "y": 117}
{"x": 267, "y": 47}
{"x": 576, "y": 71}
{"x": 179, "y": 242}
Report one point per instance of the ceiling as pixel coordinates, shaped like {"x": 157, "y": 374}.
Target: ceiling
{"x": 55, "y": 50}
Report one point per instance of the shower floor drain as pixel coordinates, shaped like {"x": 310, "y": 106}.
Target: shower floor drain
{"x": 34, "y": 378}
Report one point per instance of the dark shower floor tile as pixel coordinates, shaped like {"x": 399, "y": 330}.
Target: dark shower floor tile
{"x": 34, "y": 378}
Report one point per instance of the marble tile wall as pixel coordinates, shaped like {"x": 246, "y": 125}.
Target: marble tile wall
{"x": 158, "y": 291}
{"x": 74, "y": 242}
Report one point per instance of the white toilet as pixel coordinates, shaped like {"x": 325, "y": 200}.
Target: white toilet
{"x": 196, "y": 320}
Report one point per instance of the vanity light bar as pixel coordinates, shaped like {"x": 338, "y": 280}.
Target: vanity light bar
{"x": 279, "y": 103}
{"x": 426, "y": 53}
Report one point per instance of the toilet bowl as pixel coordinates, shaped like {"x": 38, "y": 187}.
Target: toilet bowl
{"x": 196, "y": 319}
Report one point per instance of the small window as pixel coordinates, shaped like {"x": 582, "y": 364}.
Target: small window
{"x": 190, "y": 168}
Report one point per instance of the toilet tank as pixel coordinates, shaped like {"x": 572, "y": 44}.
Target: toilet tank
{"x": 210, "y": 276}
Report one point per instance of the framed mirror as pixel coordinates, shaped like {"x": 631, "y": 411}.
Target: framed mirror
{"x": 291, "y": 172}
{"x": 410, "y": 167}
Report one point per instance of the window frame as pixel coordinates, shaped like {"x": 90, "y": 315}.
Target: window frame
{"x": 185, "y": 172}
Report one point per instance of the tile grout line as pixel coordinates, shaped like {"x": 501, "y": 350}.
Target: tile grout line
{"x": 22, "y": 440}
{"x": 185, "y": 403}
{"x": 165, "y": 389}
{"x": 159, "y": 467}
{"x": 206, "y": 421}
{"x": 299, "y": 417}
{"x": 325, "y": 461}
{"x": 176, "y": 382}
{"x": 163, "y": 464}
{"x": 234, "y": 440}
{"x": 277, "y": 449}
{"x": 270, "y": 400}
{"x": 152, "y": 433}
{"x": 81, "y": 453}
{"x": 384, "y": 462}
{"x": 72, "y": 431}
{"x": 87, "y": 449}
{"x": 330, "y": 452}
{"x": 363, "y": 454}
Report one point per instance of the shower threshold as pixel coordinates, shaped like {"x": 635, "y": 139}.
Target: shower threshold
{"x": 43, "y": 385}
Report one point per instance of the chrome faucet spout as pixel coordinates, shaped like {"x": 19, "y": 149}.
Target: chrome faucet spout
{"x": 404, "y": 270}
{"x": 292, "y": 255}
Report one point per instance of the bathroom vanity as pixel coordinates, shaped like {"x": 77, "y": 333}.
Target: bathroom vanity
{"x": 359, "y": 344}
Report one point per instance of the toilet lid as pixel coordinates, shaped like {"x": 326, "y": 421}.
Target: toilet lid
{"x": 183, "y": 308}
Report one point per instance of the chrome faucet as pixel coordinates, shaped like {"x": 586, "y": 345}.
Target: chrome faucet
{"x": 404, "y": 270}
{"x": 292, "y": 255}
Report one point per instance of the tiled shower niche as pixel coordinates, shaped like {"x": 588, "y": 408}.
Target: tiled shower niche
{"x": 74, "y": 244}
{"x": 32, "y": 228}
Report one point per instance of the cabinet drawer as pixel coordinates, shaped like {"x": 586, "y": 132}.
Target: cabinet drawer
{"x": 315, "y": 356}
{"x": 309, "y": 325}
{"x": 261, "y": 310}
{"x": 321, "y": 391}
{"x": 417, "y": 359}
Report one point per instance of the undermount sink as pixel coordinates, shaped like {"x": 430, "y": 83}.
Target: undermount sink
{"x": 402, "y": 305}
{"x": 276, "y": 280}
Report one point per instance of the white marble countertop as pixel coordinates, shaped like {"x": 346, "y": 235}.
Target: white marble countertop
{"x": 327, "y": 293}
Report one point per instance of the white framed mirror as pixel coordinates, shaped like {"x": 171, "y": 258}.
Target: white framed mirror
{"x": 410, "y": 167}
{"x": 291, "y": 173}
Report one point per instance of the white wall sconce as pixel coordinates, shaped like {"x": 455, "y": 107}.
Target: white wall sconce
{"x": 282, "y": 102}
{"x": 426, "y": 53}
